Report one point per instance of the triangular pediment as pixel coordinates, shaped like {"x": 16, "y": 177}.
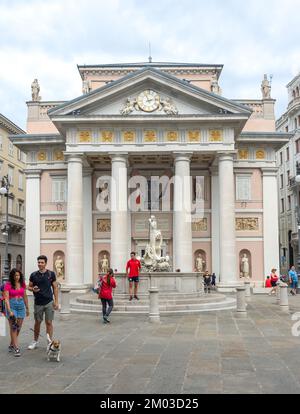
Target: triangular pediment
{"x": 149, "y": 92}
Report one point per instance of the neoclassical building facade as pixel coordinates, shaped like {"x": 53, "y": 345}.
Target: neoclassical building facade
{"x": 138, "y": 121}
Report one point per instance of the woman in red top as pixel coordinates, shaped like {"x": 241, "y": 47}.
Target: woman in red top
{"x": 274, "y": 280}
{"x": 108, "y": 283}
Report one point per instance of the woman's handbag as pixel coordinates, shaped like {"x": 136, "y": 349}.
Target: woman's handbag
{"x": 97, "y": 287}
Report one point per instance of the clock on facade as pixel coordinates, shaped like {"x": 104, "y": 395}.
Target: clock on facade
{"x": 148, "y": 101}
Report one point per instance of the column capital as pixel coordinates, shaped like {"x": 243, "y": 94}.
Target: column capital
{"x": 226, "y": 155}
{"x": 182, "y": 156}
{"x": 119, "y": 157}
{"x": 269, "y": 171}
{"x": 36, "y": 173}
{"x": 74, "y": 157}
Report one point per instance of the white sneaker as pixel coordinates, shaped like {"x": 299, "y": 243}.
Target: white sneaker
{"x": 33, "y": 345}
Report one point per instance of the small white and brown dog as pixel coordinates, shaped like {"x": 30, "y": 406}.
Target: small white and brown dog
{"x": 53, "y": 349}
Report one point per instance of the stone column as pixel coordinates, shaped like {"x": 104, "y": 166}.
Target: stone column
{"x": 182, "y": 223}
{"x": 119, "y": 212}
{"x": 87, "y": 227}
{"x": 75, "y": 270}
{"x": 270, "y": 220}
{"x": 154, "y": 315}
{"x": 215, "y": 221}
{"x": 33, "y": 226}
{"x": 228, "y": 271}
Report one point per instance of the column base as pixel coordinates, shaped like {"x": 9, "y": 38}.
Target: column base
{"x": 229, "y": 287}
{"x": 154, "y": 318}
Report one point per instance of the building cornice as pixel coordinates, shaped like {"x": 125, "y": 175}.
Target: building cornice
{"x": 10, "y": 126}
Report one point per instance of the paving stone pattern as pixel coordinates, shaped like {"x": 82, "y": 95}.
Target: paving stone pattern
{"x": 214, "y": 352}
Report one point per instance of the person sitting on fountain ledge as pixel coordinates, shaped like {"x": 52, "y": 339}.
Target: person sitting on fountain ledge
{"x": 133, "y": 266}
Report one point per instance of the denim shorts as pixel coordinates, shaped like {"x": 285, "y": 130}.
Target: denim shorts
{"x": 17, "y": 306}
{"x": 294, "y": 284}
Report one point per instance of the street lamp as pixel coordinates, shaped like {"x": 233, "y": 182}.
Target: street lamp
{"x": 297, "y": 179}
{"x": 4, "y": 190}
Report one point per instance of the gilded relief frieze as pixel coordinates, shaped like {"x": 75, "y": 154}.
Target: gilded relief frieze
{"x": 200, "y": 225}
{"x": 247, "y": 224}
{"x": 103, "y": 225}
{"x": 55, "y": 226}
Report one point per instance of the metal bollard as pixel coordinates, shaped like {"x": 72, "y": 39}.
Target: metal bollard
{"x": 248, "y": 290}
{"x": 284, "y": 301}
{"x": 154, "y": 305}
{"x": 241, "y": 301}
{"x": 65, "y": 303}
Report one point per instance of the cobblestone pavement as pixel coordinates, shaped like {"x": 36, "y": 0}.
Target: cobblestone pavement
{"x": 213, "y": 352}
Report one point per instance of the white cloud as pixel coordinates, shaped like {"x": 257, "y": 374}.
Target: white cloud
{"x": 48, "y": 39}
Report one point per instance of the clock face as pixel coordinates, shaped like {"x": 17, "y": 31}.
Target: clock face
{"x": 148, "y": 100}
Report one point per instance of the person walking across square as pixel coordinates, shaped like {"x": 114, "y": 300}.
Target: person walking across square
{"x": 133, "y": 267}
{"x": 107, "y": 284}
{"x": 293, "y": 278}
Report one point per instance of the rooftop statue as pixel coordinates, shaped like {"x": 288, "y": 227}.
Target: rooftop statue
{"x": 35, "y": 90}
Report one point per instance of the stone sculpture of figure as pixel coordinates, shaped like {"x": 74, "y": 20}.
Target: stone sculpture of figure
{"x": 35, "y": 90}
{"x": 245, "y": 266}
{"x": 104, "y": 264}
{"x": 85, "y": 86}
{"x": 59, "y": 267}
{"x": 200, "y": 264}
{"x": 155, "y": 237}
{"x": 168, "y": 107}
{"x": 266, "y": 88}
{"x": 130, "y": 106}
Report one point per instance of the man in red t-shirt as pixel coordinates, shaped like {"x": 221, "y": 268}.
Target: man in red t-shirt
{"x": 132, "y": 269}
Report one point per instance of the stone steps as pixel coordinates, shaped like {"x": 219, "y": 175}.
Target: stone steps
{"x": 183, "y": 305}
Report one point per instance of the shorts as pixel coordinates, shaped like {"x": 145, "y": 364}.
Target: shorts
{"x": 17, "y": 306}
{"x": 134, "y": 279}
{"x": 294, "y": 284}
{"x": 274, "y": 284}
{"x": 40, "y": 310}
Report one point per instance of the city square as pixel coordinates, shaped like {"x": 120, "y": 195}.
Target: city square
{"x": 150, "y": 208}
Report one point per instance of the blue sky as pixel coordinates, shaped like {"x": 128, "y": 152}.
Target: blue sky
{"x": 47, "y": 39}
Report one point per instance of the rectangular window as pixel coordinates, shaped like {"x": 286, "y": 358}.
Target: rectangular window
{"x": 282, "y": 205}
{"x": 289, "y": 206}
{"x": 281, "y": 158}
{"x": 243, "y": 188}
{"x": 281, "y": 180}
{"x": 11, "y": 149}
{"x": 288, "y": 177}
{"x": 10, "y": 206}
{"x": 20, "y": 180}
{"x": 298, "y": 146}
{"x": 1, "y": 141}
{"x": 286, "y": 129}
{"x": 287, "y": 154}
{"x": 10, "y": 173}
{"x": 59, "y": 190}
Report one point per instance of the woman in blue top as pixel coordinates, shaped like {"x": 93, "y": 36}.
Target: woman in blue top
{"x": 293, "y": 280}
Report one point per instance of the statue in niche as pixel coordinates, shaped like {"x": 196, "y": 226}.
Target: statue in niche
{"x": 104, "y": 264}
{"x": 266, "y": 88}
{"x": 200, "y": 263}
{"x": 35, "y": 90}
{"x": 59, "y": 267}
{"x": 245, "y": 267}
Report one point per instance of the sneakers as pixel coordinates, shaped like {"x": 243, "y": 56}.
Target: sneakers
{"x": 11, "y": 348}
{"x": 135, "y": 297}
{"x": 17, "y": 352}
{"x": 106, "y": 319}
{"x": 130, "y": 299}
{"x": 33, "y": 345}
